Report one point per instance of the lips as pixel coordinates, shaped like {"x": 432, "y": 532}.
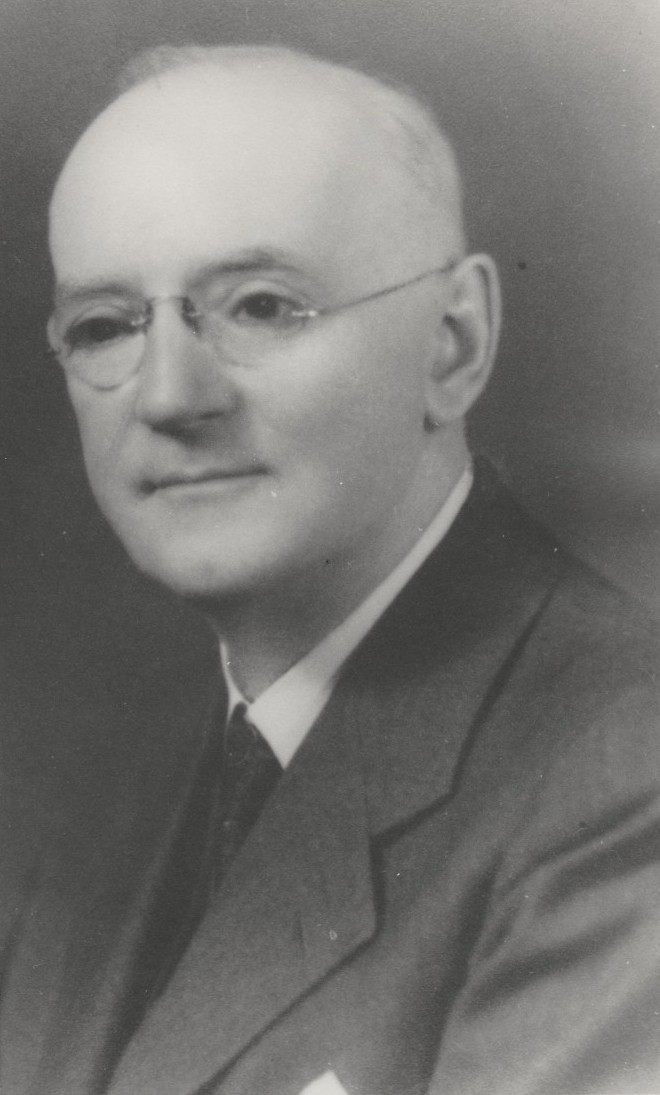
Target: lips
{"x": 182, "y": 479}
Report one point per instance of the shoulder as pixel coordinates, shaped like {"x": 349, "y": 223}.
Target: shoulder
{"x": 586, "y": 627}
{"x": 574, "y": 693}
{"x": 593, "y": 658}
{"x": 574, "y": 727}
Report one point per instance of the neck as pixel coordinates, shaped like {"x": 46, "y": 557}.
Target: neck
{"x": 266, "y": 633}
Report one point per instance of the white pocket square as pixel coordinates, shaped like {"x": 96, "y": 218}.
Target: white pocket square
{"x": 327, "y": 1084}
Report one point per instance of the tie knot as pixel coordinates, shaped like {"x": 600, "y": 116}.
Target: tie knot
{"x": 244, "y": 743}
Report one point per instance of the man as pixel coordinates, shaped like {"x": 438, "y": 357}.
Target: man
{"x": 445, "y": 877}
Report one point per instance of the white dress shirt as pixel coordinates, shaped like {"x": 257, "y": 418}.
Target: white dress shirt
{"x": 285, "y": 712}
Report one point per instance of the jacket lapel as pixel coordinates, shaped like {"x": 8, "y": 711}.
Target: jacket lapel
{"x": 430, "y": 671}
{"x": 297, "y": 901}
{"x": 389, "y": 746}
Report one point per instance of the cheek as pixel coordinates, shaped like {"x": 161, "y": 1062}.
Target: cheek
{"x": 354, "y": 415}
{"x": 101, "y": 428}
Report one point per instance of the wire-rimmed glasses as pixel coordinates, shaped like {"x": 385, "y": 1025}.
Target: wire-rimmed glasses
{"x": 101, "y": 340}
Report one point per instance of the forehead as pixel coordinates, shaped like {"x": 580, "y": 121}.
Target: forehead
{"x": 190, "y": 167}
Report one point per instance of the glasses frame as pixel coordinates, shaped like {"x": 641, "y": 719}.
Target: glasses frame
{"x": 193, "y": 317}
{"x": 317, "y": 313}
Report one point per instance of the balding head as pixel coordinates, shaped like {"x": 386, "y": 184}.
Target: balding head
{"x": 399, "y": 171}
{"x": 412, "y": 139}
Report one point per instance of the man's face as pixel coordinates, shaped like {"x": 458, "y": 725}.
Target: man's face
{"x": 226, "y": 474}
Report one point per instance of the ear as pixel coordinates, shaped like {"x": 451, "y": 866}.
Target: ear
{"x": 466, "y": 340}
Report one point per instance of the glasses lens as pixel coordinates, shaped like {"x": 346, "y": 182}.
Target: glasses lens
{"x": 101, "y": 345}
{"x": 251, "y": 321}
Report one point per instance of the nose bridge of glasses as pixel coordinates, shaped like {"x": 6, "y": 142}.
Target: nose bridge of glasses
{"x": 163, "y": 355}
{"x": 188, "y": 311}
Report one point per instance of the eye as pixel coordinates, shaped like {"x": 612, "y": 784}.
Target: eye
{"x": 267, "y": 308}
{"x": 95, "y": 331}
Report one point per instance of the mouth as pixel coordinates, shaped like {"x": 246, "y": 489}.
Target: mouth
{"x": 203, "y": 480}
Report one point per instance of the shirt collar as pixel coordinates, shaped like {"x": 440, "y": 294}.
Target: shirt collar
{"x": 287, "y": 709}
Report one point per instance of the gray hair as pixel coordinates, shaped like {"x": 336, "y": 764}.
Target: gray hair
{"x": 414, "y": 136}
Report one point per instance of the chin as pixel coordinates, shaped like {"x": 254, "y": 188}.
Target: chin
{"x": 200, "y": 574}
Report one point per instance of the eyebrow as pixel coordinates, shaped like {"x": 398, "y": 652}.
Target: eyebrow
{"x": 253, "y": 260}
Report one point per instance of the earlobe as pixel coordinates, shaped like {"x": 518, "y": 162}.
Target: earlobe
{"x": 466, "y": 342}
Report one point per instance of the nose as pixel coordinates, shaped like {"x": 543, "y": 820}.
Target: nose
{"x": 181, "y": 380}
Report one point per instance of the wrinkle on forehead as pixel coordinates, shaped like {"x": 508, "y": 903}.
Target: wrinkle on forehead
{"x": 282, "y": 134}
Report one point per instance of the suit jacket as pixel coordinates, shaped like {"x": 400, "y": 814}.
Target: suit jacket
{"x": 454, "y": 890}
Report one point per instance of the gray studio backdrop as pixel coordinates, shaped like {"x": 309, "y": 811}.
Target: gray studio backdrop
{"x": 555, "y": 108}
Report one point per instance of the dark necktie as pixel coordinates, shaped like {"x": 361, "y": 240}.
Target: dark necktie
{"x": 236, "y": 774}
{"x": 250, "y": 771}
